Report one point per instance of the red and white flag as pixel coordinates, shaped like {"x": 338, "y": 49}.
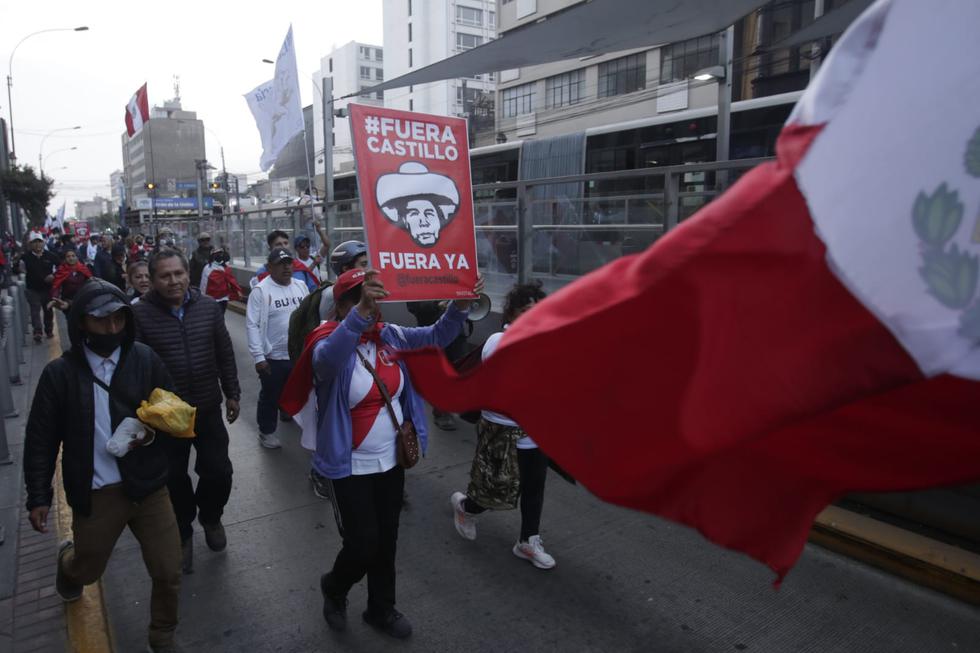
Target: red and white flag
{"x": 812, "y": 332}
{"x": 137, "y": 111}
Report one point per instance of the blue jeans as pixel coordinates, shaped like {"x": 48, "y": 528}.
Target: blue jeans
{"x": 272, "y": 382}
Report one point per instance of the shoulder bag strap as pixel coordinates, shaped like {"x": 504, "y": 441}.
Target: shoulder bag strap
{"x": 383, "y": 388}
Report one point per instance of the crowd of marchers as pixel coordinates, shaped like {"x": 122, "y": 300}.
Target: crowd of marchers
{"x": 140, "y": 314}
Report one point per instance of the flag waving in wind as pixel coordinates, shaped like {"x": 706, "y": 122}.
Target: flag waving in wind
{"x": 137, "y": 111}
{"x": 812, "y": 332}
{"x": 276, "y": 106}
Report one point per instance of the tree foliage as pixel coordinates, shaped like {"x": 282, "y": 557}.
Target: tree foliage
{"x": 32, "y": 193}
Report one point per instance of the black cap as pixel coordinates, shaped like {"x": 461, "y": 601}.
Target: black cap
{"x": 279, "y": 254}
{"x": 103, "y": 305}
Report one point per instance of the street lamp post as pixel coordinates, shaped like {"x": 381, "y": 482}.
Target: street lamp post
{"x": 40, "y": 150}
{"x": 50, "y": 154}
{"x": 10, "y": 77}
{"x": 723, "y": 74}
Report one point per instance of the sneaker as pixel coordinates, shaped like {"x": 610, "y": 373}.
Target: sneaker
{"x": 187, "y": 555}
{"x": 464, "y": 522}
{"x": 214, "y": 535}
{"x": 533, "y": 551}
{"x": 334, "y": 607}
{"x": 444, "y": 421}
{"x": 270, "y": 441}
{"x": 67, "y": 590}
{"x": 320, "y": 484}
{"x": 393, "y": 624}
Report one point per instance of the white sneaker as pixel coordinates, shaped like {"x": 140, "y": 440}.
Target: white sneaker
{"x": 464, "y": 522}
{"x": 533, "y": 551}
{"x": 270, "y": 440}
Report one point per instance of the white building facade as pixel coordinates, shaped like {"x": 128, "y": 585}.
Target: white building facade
{"x": 421, "y": 32}
{"x": 353, "y": 67}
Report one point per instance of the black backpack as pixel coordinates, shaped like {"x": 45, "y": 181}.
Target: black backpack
{"x": 304, "y": 319}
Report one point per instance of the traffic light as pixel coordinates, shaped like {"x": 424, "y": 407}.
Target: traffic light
{"x": 215, "y": 185}
{"x": 149, "y": 185}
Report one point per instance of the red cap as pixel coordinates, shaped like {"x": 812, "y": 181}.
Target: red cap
{"x": 347, "y": 280}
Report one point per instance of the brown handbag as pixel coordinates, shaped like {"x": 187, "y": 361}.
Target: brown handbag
{"x": 406, "y": 439}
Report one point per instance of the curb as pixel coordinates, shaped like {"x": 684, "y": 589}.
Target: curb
{"x": 922, "y": 560}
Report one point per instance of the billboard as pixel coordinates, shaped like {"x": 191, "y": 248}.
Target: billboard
{"x": 413, "y": 173}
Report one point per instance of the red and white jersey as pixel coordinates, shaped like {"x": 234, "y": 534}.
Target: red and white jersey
{"x": 372, "y": 430}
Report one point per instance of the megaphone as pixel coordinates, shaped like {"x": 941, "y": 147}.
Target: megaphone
{"x": 480, "y": 308}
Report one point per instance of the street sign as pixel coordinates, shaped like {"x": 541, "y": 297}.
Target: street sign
{"x": 186, "y": 185}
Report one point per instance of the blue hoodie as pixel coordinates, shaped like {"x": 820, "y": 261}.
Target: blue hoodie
{"x": 333, "y": 367}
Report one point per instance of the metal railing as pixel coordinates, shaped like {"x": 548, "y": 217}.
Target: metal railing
{"x": 554, "y": 229}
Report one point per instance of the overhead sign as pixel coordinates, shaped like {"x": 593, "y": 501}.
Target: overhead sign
{"x": 413, "y": 172}
{"x": 172, "y": 203}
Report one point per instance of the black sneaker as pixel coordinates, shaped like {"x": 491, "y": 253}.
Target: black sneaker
{"x": 214, "y": 535}
{"x": 394, "y": 624}
{"x": 319, "y": 483}
{"x": 334, "y": 607}
{"x": 67, "y": 590}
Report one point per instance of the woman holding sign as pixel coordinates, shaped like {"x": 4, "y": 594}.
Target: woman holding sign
{"x": 366, "y": 404}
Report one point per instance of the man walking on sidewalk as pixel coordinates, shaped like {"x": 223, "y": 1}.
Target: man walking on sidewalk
{"x": 270, "y": 304}
{"x": 40, "y": 264}
{"x": 81, "y": 398}
{"x": 188, "y": 332}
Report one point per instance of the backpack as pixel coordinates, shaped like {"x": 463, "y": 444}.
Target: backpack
{"x": 304, "y": 319}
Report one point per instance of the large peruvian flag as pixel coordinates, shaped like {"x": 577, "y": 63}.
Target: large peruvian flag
{"x": 812, "y": 332}
{"x": 137, "y": 111}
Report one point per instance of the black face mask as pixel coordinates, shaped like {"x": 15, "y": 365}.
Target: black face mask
{"x": 104, "y": 344}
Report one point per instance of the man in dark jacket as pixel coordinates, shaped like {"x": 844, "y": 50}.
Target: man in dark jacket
{"x": 200, "y": 258}
{"x": 188, "y": 331}
{"x": 40, "y": 264}
{"x": 81, "y": 399}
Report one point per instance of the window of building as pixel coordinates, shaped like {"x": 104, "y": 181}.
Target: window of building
{"x": 469, "y": 16}
{"x": 330, "y": 64}
{"x": 623, "y": 75}
{"x": 470, "y": 96}
{"x": 411, "y": 104}
{"x": 565, "y": 89}
{"x": 518, "y": 100}
{"x": 410, "y": 57}
{"x": 467, "y": 41}
{"x": 379, "y": 74}
{"x": 379, "y": 54}
{"x": 364, "y": 52}
{"x": 409, "y": 32}
{"x": 492, "y": 19}
{"x": 365, "y": 72}
{"x": 679, "y": 61}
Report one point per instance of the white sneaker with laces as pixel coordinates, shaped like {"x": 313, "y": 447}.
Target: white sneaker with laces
{"x": 464, "y": 522}
{"x": 533, "y": 551}
{"x": 269, "y": 440}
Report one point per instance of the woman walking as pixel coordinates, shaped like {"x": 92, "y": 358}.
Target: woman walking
{"x": 353, "y": 374}
{"x": 507, "y": 463}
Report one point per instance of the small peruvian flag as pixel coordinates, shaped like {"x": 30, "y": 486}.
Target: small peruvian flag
{"x": 814, "y": 331}
{"x": 137, "y": 111}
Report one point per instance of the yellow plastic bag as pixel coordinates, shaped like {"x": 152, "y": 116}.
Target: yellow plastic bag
{"x": 167, "y": 412}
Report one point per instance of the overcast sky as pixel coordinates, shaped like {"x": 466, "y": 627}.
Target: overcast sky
{"x": 62, "y": 79}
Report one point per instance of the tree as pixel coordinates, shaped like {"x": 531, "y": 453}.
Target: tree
{"x": 27, "y": 190}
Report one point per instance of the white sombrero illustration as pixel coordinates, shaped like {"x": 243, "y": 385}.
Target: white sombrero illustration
{"x": 417, "y": 200}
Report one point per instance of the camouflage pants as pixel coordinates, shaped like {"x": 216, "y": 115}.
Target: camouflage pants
{"x": 495, "y": 480}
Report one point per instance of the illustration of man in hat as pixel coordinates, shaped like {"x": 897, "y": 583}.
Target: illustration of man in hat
{"x": 418, "y": 201}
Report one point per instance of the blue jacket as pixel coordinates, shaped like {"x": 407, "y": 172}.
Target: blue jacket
{"x": 333, "y": 367}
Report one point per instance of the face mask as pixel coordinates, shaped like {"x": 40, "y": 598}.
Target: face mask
{"x": 104, "y": 343}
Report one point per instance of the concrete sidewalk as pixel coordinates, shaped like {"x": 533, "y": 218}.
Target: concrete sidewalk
{"x": 624, "y": 580}
{"x": 32, "y": 616}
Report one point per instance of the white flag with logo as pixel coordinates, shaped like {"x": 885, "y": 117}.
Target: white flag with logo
{"x": 276, "y": 107}
{"x": 59, "y": 219}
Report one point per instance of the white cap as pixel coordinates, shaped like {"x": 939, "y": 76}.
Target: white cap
{"x": 35, "y": 235}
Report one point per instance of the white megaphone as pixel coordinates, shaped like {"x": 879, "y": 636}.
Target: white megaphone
{"x": 480, "y": 308}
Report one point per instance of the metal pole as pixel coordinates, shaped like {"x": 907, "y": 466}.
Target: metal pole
{"x": 329, "y": 210}
{"x": 817, "y": 48}
{"x": 723, "y": 139}
{"x": 201, "y": 166}
{"x": 525, "y": 238}
{"x": 11, "y": 348}
{"x": 10, "y": 110}
{"x": 224, "y": 172}
{"x": 6, "y": 398}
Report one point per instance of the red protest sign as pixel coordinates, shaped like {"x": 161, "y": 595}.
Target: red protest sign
{"x": 82, "y": 229}
{"x": 413, "y": 174}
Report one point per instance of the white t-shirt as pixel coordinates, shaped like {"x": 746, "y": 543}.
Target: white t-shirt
{"x": 488, "y": 348}
{"x": 376, "y": 453}
{"x": 267, "y": 317}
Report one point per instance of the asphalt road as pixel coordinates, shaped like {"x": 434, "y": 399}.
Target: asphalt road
{"x": 624, "y": 581}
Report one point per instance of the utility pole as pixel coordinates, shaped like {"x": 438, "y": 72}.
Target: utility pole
{"x": 726, "y": 44}
{"x": 329, "y": 215}
{"x": 224, "y": 173}
{"x": 201, "y": 167}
